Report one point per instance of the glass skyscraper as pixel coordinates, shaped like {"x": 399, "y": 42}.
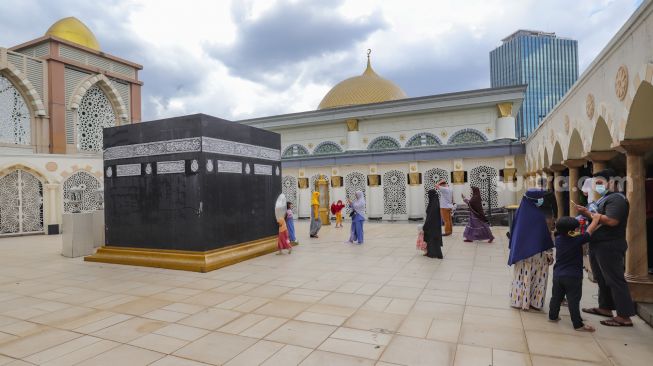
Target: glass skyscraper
{"x": 546, "y": 63}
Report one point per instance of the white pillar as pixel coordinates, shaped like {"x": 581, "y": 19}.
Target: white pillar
{"x": 51, "y": 213}
{"x": 353, "y": 138}
{"x": 304, "y": 202}
{"x": 416, "y": 202}
{"x": 505, "y": 128}
{"x": 375, "y": 203}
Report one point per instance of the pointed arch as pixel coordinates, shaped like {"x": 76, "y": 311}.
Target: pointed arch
{"x": 44, "y": 178}
{"x": 639, "y": 124}
{"x": 105, "y": 85}
{"x": 557, "y": 157}
{"x": 575, "y": 149}
{"x": 601, "y": 139}
{"x": 25, "y": 88}
{"x": 467, "y": 136}
{"x": 546, "y": 162}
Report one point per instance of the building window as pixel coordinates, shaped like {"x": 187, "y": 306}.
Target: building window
{"x": 94, "y": 114}
{"x": 423, "y": 139}
{"x": 327, "y": 147}
{"x": 467, "y": 136}
{"x": 294, "y": 150}
{"x": 14, "y": 116}
{"x": 383, "y": 143}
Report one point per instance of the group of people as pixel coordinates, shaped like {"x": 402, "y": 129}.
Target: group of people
{"x": 531, "y": 253}
{"x": 439, "y": 212}
{"x": 287, "y": 235}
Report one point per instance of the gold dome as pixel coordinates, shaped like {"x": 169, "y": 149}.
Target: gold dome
{"x": 364, "y": 89}
{"x": 73, "y": 30}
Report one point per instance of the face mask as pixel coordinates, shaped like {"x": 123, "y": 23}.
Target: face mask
{"x": 600, "y": 189}
{"x": 539, "y": 202}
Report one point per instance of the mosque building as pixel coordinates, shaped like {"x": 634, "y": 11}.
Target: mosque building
{"x": 368, "y": 135}
{"x": 57, "y": 93}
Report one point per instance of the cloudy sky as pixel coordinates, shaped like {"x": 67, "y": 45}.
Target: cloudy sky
{"x": 241, "y": 59}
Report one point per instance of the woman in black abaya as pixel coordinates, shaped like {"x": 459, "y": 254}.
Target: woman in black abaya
{"x": 433, "y": 227}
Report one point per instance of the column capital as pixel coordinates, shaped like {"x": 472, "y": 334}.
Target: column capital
{"x": 557, "y": 168}
{"x": 636, "y": 147}
{"x": 574, "y": 163}
{"x": 352, "y": 125}
{"x": 601, "y": 155}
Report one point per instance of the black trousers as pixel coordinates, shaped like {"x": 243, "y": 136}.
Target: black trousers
{"x": 607, "y": 260}
{"x": 572, "y": 288}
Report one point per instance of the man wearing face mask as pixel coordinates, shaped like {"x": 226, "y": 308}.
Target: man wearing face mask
{"x": 608, "y": 250}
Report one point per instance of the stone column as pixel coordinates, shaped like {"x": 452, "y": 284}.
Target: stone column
{"x": 558, "y": 187}
{"x": 573, "y": 165}
{"x": 415, "y": 196}
{"x": 505, "y": 123}
{"x": 375, "y": 200}
{"x": 599, "y": 162}
{"x": 636, "y": 256}
{"x": 50, "y": 214}
{"x": 353, "y": 140}
{"x": 303, "y": 198}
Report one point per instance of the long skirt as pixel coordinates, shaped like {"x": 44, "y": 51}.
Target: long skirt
{"x": 290, "y": 224}
{"x": 477, "y": 229}
{"x": 316, "y": 225}
{"x": 282, "y": 241}
{"x": 530, "y": 276}
{"x": 356, "y": 230}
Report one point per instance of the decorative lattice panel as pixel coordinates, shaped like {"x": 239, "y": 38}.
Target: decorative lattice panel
{"x": 423, "y": 139}
{"x": 94, "y": 114}
{"x": 294, "y": 150}
{"x": 467, "y": 136}
{"x": 21, "y": 203}
{"x": 383, "y": 143}
{"x": 327, "y": 147}
{"x": 289, "y": 188}
{"x": 354, "y": 182}
{"x": 89, "y": 186}
{"x": 485, "y": 178}
{"x": 14, "y": 115}
{"x": 394, "y": 193}
{"x": 431, "y": 177}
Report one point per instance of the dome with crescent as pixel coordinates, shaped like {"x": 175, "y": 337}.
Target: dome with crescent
{"x": 73, "y": 30}
{"x": 366, "y": 88}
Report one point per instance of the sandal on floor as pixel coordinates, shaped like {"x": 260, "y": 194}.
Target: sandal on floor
{"x": 615, "y": 323}
{"x": 595, "y": 311}
{"x": 586, "y": 328}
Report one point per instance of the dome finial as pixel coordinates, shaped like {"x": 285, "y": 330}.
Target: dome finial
{"x": 368, "y": 69}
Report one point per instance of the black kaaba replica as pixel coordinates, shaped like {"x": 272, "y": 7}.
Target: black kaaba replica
{"x": 193, "y": 193}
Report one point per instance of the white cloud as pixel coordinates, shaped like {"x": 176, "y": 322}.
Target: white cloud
{"x": 427, "y": 46}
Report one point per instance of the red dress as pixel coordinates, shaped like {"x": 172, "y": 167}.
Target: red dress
{"x": 282, "y": 240}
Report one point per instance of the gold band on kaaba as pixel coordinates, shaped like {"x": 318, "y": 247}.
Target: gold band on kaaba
{"x": 414, "y": 179}
{"x": 302, "y": 183}
{"x": 336, "y": 181}
{"x": 185, "y": 260}
{"x": 459, "y": 176}
{"x": 374, "y": 180}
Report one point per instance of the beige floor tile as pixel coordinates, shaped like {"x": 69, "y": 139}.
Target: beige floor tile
{"x": 438, "y": 310}
{"x": 140, "y": 306}
{"x": 62, "y": 349}
{"x": 289, "y": 355}
{"x": 129, "y": 330}
{"x": 342, "y": 299}
{"x": 373, "y": 320}
{"x": 472, "y": 356}
{"x": 414, "y": 351}
{"x": 177, "y": 361}
{"x": 352, "y": 348}
{"x": 321, "y": 358}
{"x": 550, "y": 361}
{"x": 400, "y": 292}
{"x": 631, "y": 353}
{"x": 256, "y": 354}
{"x": 327, "y": 319}
{"x": 415, "y": 326}
{"x": 564, "y": 346}
{"x": 208, "y": 298}
{"x": 400, "y": 306}
{"x": 215, "y": 348}
{"x": 183, "y": 332}
{"x": 211, "y": 318}
{"x": 444, "y": 330}
{"x": 509, "y": 339}
{"x": 82, "y": 354}
{"x": 181, "y": 307}
{"x": 377, "y": 303}
{"x": 104, "y": 323}
{"x": 123, "y": 355}
{"x": 362, "y": 336}
{"x": 264, "y": 327}
{"x": 282, "y": 309}
{"x": 301, "y": 334}
{"x": 158, "y": 343}
{"x": 268, "y": 291}
{"x": 23, "y": 347}
{"x": 508, "y": 358}
{"x": 165, "y": 315}
{"x": 332, "y": 310}
{"x": 241, "y": 324}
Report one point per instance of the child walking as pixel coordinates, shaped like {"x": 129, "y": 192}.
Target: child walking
{"x": 336, "y": 209}
{"x": 568, "y": 269}
{"x": 290, "y": 223}
{"x": 282, "y": 240}
{"x": 421, "y": 244}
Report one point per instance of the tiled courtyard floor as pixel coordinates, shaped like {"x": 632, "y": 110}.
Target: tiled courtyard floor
{"x": 328, "y": 303}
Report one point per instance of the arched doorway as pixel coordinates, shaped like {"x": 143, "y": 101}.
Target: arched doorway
{"x": 15, "y": 120}
{"x": 21, "y": 203}
{"x": 95, "y": 113}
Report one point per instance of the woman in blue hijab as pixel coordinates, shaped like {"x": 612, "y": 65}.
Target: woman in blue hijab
{"x": 530, "y": 252}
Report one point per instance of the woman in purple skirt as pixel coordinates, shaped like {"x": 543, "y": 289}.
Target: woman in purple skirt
{"x": 478, "y": 227}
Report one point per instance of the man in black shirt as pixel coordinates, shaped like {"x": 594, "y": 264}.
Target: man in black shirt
{"x": 608, "y": 250}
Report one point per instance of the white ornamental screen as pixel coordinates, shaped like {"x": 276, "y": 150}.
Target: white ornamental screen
{"x": 21, "y": 203}
{"x": 94, "y": 114}
{"x": 394, "y": 193}
{"x": 14, "y": 115}
{"x": 89, "y": 186}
